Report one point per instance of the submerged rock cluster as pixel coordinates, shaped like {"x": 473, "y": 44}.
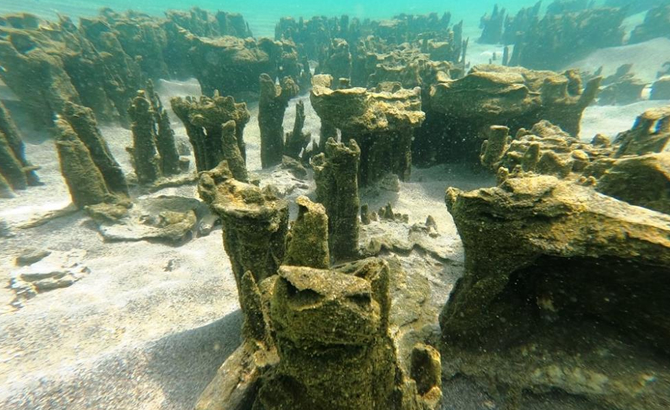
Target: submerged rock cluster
{"x": 554, "y": 287}
{"x": 315, "y": 336}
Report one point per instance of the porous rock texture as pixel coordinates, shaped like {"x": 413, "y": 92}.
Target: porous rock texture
{"x": 635, "y": 167}
{"x": 320, "y": 338}
{"x": 462, "y": 111}
{"x": 145, "y": 153}
{"x": 272, "y": 105}
{"x": 255, "y": 222}
{"x": 336, "y": 176}
{"x": 563, "y": 290}
{"x": 296, "y": 141}
{"x": 16, "y": 173}
{"x": 84, "y": 179}
{"x": 381, "y": 121}
{"x": 203, "y": 119}
{"x": 83, "y": 122}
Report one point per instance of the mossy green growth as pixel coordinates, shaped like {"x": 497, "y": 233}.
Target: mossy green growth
{"x": 307, "y": 241}
{"x": 84, "y": 180}
{"x": 336, "y": 175}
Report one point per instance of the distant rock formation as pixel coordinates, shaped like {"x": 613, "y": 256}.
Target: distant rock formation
{"x": 16, "y": 173}
{"x": 461, "y": 111}
{"x": 382, "y": 121}
{"x": 558, "y": 39}
{"x": 655, "y": 25}
{"x": 272, "y": 105}
{"x": 635, "y": 167}
{"x": 204, "y": 119}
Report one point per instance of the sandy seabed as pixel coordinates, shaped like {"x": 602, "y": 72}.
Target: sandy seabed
{"x": 151, "y": 324}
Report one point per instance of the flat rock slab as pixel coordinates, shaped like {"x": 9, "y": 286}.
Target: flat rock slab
{"x": 171, "y": 219}
{"x": 54, "y": 271}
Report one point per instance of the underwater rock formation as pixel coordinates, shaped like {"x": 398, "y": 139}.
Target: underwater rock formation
{"x": 145, "y": 154}
{"x": 255, "y": 222}
{"x": 559, "y": 280}
{"x": 296, "y": 140}
{"x": 635, "y": 6}
{"x": 307, "y": 240}
{"x": 334, "y": 346}
{"x": 204, "y": 119}
{"x": 382, "y": 122}
{"x": 271, "y": 108}
{"x": 557, "y": 40}
{"x": 621, "y": 88}
{"x": 569, "y": 6}
{"x": 634, "y": 168}
{"x": 154, "y": 149}
{"x": 233, "y": 65}
{"x": 37, "y": 77}
{"x": 84, "y": 179}
{"x": 650, "y": 134}
{"x": 336, "y": 175}
{"x": 655, "y": 25}
{"x": 202, "y": 23}
{"x": 660, "y": 90}
{"x": 170, "y": 163}
{"x": 337, "y": 61}
{"x": 492, "y": 26}
{"x": 16, "y": 173}
{"x": 642, "y": 180}
{"x": 462, "y": 111}
{"x": 83, "y": 122}
{"x": 516, "y": 26}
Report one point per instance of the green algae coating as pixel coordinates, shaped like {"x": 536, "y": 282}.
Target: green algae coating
{"x": 336, "y": 175}
{"x": 203, "y": 118}
{"x": 552, "y": 269}
{"x": 145, "y": 154}
{"x": 307, "y": 241}
{"x": 271, "y": 108}
{"x": 84, "y": 180}
{"x": 82, "y": 121}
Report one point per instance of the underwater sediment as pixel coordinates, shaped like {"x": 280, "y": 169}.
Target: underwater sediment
{"x": 276, "y": 236}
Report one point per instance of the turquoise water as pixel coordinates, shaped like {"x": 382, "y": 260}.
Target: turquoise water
{"x": 262, "y": 15}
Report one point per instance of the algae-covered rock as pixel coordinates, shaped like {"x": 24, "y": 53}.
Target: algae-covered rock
{"x": 165, "y": 136}
{"x": 307, "y": 241}
{"x": 642, "y": 180}
{"x": 145, "y": 154}
{"x": 333, "y": 342}
{"x": 255, "y": 222}
{"x": 463, "y": 110}
{"x": 203, "y": 119}
{"x": 14, "y": 153}
{"x": 655, "y": 25}
{"x": 83, "y": 122}
{"x": 84, "y": 179}
{"x": 650, "y": 134}
{"x": 271, "y": 108}
{"x": 231, "y": 151}
{"x": 492, "y": 26}
{"x": 336, "y": 175}
{"x": 660, "y": 90}
{"x": 557, "y": 40}
{"x": 560, "y": 280}
{"x": 36, "y": 76}
{"x": 296, "y": 141}
{"x": 381, "y": 121}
